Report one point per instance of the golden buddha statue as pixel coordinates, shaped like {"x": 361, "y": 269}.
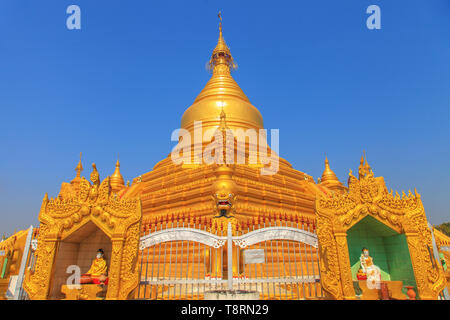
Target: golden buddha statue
{"x": 97, "y": 272}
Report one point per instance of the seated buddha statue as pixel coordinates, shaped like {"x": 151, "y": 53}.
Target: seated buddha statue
{"x": 97, "y": 273}
{"x": 370, "y": 269}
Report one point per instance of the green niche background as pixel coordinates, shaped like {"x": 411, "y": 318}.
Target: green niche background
{"x": 388, "y": 249}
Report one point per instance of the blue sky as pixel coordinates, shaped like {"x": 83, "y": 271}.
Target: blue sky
{"x": 312, "y": 68}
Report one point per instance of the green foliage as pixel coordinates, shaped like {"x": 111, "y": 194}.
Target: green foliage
{"x": 445, "y": 228}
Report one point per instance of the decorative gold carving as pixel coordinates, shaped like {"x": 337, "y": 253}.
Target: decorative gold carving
{"x": 84, "y": 292}
{"x": 329, "y": 264}
{"x": 368, "y": 195}
{"x": 118, "y": 218}
{"x": 224, "y": 191}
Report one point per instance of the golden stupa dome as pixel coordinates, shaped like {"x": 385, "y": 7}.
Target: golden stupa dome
{"x": 116, "y": 179}
{"x": 222, "y": 93}
{"x": 328, "y": 175}
{"x": 329, "y": 178}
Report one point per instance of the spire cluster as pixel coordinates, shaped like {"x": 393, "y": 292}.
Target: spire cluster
{"x": 116, "y": 180}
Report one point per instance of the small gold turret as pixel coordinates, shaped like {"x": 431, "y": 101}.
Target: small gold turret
{"x": 76, "y": 181}
{"x": 116, "y": 179}
{"x": 364, "y": 167}
{"x": 329, "y": 178}
{"x": 79, "y": 167}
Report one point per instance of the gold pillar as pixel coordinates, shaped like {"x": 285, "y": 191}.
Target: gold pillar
{"x": 344, "y": 266}
{"x": 114, "y": 274}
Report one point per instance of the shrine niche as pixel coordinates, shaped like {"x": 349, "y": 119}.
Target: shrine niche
{"x": 91, "y": 227}
{"x": 394, "y": 229}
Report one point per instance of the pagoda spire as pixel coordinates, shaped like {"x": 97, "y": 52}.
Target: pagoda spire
{"x": 79, "y": 167}
{"x": 366, "y": 164}
{"x": 364, "y": 167}
{"x": 222, "y": 91}
{"x": 76, "y": 181}
{"x": 116, "y": 179}
{"x": 221, "y": 54}
{"x": 329, "y": 178}
{"x": 328, "y": 175}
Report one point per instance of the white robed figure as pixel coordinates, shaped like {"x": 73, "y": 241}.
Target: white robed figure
{"x": 372, "y": 271}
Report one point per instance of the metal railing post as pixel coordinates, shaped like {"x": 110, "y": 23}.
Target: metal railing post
{"x": 230, "y": 256}
{"x": 18, "y": 290}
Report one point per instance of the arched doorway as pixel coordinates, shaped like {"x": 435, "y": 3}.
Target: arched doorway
{"x": 78, "y": 249}
{"x": 388, "y": 249}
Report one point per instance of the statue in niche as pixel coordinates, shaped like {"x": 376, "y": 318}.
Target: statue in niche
{"x": 372, "y": 272}
{"x": 97, "y": 274}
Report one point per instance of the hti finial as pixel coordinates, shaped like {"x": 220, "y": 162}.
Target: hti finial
{"x": 79, "y": 167}
{"x": 221, "y": 54}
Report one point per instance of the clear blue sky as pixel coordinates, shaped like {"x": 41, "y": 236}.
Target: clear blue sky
{"x": 313, "y": 69}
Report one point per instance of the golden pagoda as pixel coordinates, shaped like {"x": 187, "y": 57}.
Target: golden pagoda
{"x": 171, "y": 191}
{"x": 192, "y": 195}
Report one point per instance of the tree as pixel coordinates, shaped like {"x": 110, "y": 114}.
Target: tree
{"x": 444, "y": 227}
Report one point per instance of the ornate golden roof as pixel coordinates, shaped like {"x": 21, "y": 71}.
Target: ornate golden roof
{"x": 222, "y": 91}
{"x": 116, "y": 179}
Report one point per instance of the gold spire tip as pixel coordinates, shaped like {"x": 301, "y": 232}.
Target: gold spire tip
{"x": 221, "y": 54}
{"x": 79, "y": 167}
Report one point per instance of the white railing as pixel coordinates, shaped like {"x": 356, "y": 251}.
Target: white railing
{"x": 185, "y": 262}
